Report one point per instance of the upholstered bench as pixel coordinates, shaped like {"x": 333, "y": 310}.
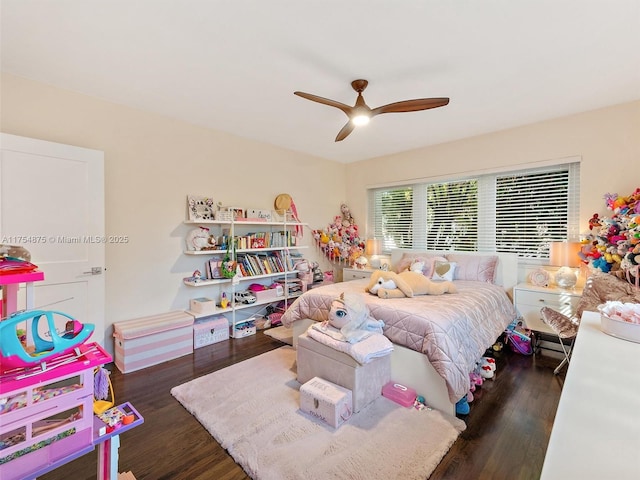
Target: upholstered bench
{"x": 365, "y": 381}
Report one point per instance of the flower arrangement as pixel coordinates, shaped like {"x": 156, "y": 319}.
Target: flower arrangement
{"x": 614, "y": 241}
{"x": 340, "y": 240}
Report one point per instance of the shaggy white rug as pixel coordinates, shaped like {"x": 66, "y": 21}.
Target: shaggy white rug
{"x": 251, "y": 409}
{"x": 281, "y": 333}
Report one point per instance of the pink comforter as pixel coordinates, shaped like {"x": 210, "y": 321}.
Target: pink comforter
{"x": 452, "y": 330}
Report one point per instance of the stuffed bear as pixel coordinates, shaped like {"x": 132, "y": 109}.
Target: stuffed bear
{"x": 406, "y": 284}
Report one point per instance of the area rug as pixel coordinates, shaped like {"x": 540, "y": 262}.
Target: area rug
{"x": 251, "y": 409}
{"x": 282, "y": 333}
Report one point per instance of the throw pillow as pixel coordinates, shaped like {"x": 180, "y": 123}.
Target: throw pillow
{"x": 480, "y": 268}
{"x": 443, "y": 271}
{"x": 408, "y": 259}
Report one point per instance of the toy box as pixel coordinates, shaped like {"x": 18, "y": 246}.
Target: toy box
{"x": 147, "y": 341}
{"x": 365, "y": 382}
{"x": 326, "y": 401}
{"x": 210, "y": 330}
{"x": 405, "y": 396}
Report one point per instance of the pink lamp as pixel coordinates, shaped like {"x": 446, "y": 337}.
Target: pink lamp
{"x": 373, "y": 248}
{"x": 565, "y": 256}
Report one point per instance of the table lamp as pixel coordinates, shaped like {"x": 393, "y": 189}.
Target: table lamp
{"x": 565, "y": 256}
{"x": 373, "y": 248}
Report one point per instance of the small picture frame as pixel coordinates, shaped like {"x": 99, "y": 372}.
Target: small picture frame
{"x": 236, "y": 212}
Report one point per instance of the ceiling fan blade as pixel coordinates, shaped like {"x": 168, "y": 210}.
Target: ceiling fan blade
{"x": 332, "y": 103}
{"x": 346, "y": 130}
{"x": 411, "y": 105}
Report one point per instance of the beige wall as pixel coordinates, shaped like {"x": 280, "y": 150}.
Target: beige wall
{"x": 607, "y": 141}
{"x": 151, "y": 164}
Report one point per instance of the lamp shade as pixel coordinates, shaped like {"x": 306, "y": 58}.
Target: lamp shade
{"x": 564, "y": 254}
{"x": 373, "y": 246}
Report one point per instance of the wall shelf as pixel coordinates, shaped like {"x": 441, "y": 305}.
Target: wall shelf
{"x": 276, "y": 257}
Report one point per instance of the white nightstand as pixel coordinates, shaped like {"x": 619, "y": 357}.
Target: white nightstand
{"x": 529, "y": 299}
{"x": 355, "y": 273}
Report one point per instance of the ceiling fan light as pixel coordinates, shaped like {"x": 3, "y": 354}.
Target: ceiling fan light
{"x": 360, "y": 120}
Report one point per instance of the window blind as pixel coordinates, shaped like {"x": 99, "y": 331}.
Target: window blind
{"x": 519, "y": 212}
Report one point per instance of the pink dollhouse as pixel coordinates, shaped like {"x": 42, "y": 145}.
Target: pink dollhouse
{"x": 46, "y": 412}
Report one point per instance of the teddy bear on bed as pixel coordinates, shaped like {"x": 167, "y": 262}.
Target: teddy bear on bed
{"x": 349, "y": 319}
{"x": 406, "y": 284}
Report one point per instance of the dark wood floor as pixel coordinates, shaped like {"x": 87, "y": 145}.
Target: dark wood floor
{"x": 506, "y": 437}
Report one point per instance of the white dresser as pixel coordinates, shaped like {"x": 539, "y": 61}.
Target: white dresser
{"x": 596, "y": 432}
{"x": 349, "y": 273}
{"x": 529, "y": 299}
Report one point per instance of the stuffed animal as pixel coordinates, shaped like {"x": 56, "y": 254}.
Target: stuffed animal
{"x": 349, "y": 315}
{"x": 405, "y": 284}
{"x": 198, "y": 238}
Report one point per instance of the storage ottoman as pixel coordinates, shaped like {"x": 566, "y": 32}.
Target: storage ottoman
{"x": 147, "y": 341}
{"x": 365, "y": 381}
{"x": 326, "y": 401}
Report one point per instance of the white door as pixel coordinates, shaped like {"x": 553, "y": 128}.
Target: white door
{"x": 52, "y": 203}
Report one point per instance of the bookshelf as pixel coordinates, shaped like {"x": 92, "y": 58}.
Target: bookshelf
{"x": 265, "y": 254}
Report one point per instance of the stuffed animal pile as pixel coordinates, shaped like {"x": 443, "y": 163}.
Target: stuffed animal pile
{"x": 612, "y": 244}
{"x": 340, "y": 241}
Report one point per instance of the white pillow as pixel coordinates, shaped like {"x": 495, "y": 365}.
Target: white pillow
{"x": 443, "y": 271}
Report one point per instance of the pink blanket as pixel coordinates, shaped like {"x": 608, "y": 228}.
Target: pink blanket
{"x": 452, "y": 330}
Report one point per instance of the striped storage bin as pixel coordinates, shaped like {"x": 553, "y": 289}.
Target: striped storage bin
{"x": 147, "y": 341}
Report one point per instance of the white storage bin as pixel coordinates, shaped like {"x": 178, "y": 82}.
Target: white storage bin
{"x": 326, "y": 401}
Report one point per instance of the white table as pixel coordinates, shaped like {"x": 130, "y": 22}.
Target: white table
{"x": 596, "y": 432}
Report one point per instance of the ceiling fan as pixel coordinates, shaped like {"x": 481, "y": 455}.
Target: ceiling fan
{"x": 360, "y": 113}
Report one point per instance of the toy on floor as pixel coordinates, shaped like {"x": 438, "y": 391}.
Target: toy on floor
{"x": 519, "y": 338}
{"x": 462, "y": 406}
{"x": 15, "y": 355}
{"x": 486, "y": 367}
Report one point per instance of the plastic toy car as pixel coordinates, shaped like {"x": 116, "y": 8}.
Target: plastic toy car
{"x": 245, "y": 297}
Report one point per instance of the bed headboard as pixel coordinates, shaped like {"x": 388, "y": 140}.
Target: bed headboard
{"x": 507, "y": 274}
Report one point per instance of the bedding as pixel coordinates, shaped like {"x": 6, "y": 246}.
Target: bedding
{"x": 452, "y": 330}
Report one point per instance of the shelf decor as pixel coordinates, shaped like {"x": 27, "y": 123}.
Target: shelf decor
{"x": 200, "y": 208}
{"x": 539, "y": 277}
{"x": 341, "y": 241}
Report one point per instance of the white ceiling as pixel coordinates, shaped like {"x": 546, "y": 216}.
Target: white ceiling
{"x": 234, "y": 65}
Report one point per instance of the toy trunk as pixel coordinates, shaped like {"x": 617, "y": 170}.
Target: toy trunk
{"x": 210, "y": 330}
{"x": 326, "y": 401}
{"x": 148, "y": 341}
{"x": 315, "y": 359}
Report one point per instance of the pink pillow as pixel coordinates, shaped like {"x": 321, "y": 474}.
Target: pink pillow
{"x": 481, "y": 268}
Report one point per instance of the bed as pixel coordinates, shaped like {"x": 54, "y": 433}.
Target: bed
{"x": 437, "y": 338}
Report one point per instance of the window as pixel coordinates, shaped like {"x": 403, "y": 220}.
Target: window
{"x": 519, "y": 212}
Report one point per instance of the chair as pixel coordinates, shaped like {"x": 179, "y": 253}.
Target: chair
{"x": 565, "y": 327}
